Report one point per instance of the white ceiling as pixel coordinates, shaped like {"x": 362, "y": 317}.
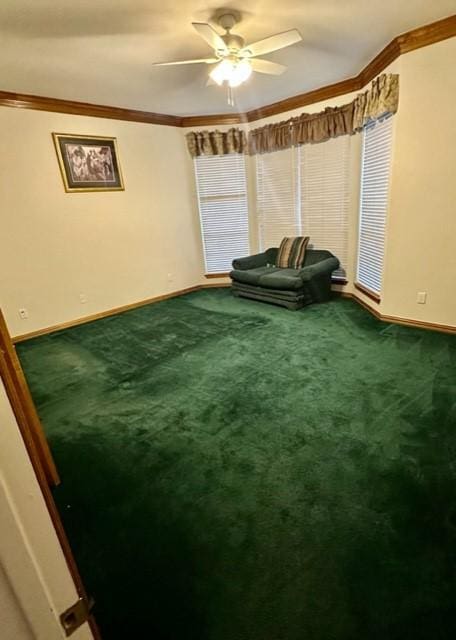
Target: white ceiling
{"x": 101, "y": 51}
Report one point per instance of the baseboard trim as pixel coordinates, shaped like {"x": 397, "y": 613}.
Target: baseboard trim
{"x": 217, "y": 275}
{"x": 408, "y": 322}
{"x": 103, "y": 314}
{"x": 214, "y": 285}
{"x": 419, "y": 324}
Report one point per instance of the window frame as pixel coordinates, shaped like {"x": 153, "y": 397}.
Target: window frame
{"x": 243, "y": 196}
{"x": 370, "y": 292}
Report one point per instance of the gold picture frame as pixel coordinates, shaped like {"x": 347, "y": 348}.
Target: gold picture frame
{"x": 88, "y": 163}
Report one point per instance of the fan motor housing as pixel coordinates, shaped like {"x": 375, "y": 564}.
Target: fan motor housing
{"x": 227, "y": 19}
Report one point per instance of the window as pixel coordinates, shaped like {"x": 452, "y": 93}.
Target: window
{"x": 377, "y": 139}
{"x": 222, "y": 201}
{"x": 324, "y": 196}
{"x": 278, "y": 213}
{"x": 305, "y": 191}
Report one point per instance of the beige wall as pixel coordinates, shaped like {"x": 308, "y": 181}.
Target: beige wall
{"x": 421, "y": 233}
{"x": 114, "y": 247}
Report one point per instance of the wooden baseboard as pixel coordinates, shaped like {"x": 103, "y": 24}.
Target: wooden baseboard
{"x": 104, "y": 314}
{"x": 217, "y": 275}
{"x": 112, "y": 312}
{"x": 420, "y": 324}
{"x": 408, "y": 322}
{"x": 213, "y": 285}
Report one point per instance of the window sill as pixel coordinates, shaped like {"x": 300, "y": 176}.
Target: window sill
{"x": 367, "y": 292}
{"x": 216, "y": 275}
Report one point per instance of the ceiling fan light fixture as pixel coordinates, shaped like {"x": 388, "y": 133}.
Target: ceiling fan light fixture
{"x": 240, "y": 73}
{"x": 234, "y": 72}
{"x": 221, "y": 72}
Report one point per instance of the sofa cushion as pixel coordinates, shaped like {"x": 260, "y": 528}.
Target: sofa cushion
{"x": 287, "y": 279}
{"x": 291, "y": 252}
{"x": 251, "y": 276}
{"x": 298, "y": 294}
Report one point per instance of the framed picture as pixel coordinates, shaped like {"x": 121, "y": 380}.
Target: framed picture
{"x": 88, "y": 163}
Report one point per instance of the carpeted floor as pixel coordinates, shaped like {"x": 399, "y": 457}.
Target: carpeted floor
{"x": 236, "y": 471}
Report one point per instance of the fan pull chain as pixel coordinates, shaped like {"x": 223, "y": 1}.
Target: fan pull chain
{"x": 230, "y": 96}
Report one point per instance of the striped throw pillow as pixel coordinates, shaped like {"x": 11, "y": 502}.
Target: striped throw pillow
{"x": 291, "y": 252}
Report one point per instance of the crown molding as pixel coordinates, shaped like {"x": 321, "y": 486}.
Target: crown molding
{"x": 428, "y": 34}
{"x": 415, "y": 39}
{"x": 304, "y": 99}
{"x": 409, "y": 41}
{"x": 42, "y": 103}
{"x": 316, "y": 95}
{"x": 222, "y": 118}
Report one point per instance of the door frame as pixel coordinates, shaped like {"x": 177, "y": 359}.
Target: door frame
{"x": 24, "y": 408}
{"x": 37, "y": 447}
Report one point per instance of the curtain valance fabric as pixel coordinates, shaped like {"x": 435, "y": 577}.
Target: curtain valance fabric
{"x": 271, "y": 137}
{"x": 330, "y": 123}
{"x": 216, "y": 143}
{"x": 380, "y": 99}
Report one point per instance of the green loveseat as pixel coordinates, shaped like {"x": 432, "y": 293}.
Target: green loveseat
{"x": 256, "y": 277}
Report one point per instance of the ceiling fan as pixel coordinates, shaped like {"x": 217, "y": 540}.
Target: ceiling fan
{"x": 233, "y": 60}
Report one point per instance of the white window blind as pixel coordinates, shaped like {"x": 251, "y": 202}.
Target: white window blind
{"x": 222, "y": 201}
{"x": 277, "y": 210}
{"x": 324, "y": 195}
{"x": 305, "y": 191}
{"x": 377, "y": 140}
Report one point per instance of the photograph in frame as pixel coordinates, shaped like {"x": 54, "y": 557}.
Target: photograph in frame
{"x": 88, "y": 163}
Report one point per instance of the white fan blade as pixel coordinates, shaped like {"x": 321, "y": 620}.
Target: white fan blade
{"x": 210, "y": 35}
{"x": 266, "y": 66}
{"x": 167, "y": 64}
{"x": 279, "y": 41}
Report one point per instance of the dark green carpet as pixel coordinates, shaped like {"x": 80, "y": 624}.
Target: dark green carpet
{"x": 236, "y": 471}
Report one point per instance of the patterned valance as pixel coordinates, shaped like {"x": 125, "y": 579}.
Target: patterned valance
{"x": 380, "y": 99}
{"x": 216, "y": 143}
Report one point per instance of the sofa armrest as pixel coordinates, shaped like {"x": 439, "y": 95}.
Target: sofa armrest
{"x": 251, "y": 262}
{"x": 323, "y": 267}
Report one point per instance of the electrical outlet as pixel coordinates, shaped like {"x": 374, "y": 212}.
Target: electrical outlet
{"x": 23, "y": 313}
{"x": 421, "y": 297}
{"x": 82, "y": 298}
{"x": 170, "y": 277}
